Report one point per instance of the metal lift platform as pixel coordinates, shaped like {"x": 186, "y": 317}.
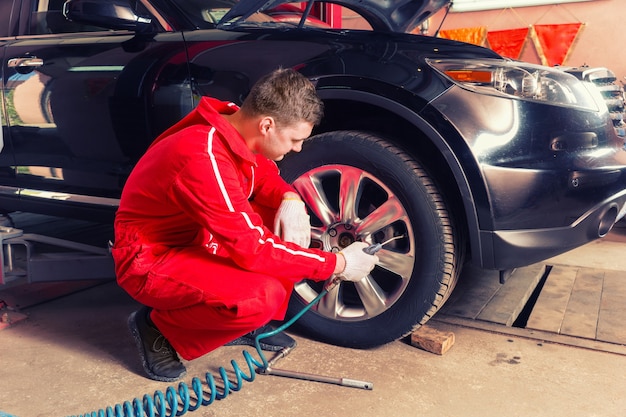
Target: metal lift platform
{"x": 30, "y": 258}
{"x": 46, "y": 257}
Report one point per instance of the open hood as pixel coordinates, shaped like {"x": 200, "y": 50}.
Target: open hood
{"x": 387, "y": 16}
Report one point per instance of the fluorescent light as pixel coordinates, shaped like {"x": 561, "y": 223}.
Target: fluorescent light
{"x": 475, "y": 5}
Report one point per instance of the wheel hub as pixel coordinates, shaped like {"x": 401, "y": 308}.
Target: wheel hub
{"x": 339, "y": 236}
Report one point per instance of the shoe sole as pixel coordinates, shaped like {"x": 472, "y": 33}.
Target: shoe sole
{"x": 134, "y": 330}
{"x": 264, "y": 346}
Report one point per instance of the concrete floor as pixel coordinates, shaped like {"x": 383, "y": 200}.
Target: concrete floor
{"x": 74, "y": 355}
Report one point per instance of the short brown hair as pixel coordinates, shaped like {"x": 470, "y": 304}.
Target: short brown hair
{"x": 287, "y": 96}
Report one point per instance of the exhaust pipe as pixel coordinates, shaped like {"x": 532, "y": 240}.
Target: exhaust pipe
{"x": 607, "y": 221}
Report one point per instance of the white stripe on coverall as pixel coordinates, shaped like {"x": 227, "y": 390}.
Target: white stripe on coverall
{"x": 247, "y": 219}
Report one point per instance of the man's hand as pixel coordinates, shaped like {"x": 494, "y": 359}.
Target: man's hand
{"x": 358, "y": 263}
{"x": 292, "y": 222}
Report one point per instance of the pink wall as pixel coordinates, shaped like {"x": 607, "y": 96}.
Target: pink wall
{"x": 600, "y": 43}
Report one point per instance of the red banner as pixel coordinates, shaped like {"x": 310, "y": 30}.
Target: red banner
{"x": 475, "y": 35}
{"x": 508, "y": 43}
{"x": 554, "y": 42}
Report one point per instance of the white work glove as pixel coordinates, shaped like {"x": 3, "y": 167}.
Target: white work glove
{"x": 358, "y": 263}
{"x": 292, "y": 222}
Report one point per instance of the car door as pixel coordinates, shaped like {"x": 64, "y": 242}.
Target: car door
{"x": 82, "y": 100}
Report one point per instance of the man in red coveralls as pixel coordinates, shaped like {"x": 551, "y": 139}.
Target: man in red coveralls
{"x": 191, "y": 241}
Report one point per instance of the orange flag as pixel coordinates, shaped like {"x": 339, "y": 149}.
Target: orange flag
{"x": 508, "y": 43}
{"x": 475, "y": 35}
{"x": 554, "y": 42}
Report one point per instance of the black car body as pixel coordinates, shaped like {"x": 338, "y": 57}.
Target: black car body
{"x": 465, "y": 155}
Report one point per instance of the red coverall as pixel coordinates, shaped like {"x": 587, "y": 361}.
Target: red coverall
{"x": 190, "y": 239}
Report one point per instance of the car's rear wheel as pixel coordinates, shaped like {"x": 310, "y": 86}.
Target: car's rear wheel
{"x": 359, "y": 187}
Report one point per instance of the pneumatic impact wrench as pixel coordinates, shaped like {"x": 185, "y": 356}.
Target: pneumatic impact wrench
{"x": 370, "y": 250}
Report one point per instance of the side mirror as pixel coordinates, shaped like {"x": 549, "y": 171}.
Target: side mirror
{"x": 110, "y": 14}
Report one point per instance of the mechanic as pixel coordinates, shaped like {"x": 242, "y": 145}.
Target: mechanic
{"x": 192, "y": 241}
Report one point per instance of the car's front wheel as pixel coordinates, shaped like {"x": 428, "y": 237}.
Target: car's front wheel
{"x": 359, "y": 187}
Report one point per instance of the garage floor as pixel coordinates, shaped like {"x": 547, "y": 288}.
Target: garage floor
{"x": 549, "y": 342}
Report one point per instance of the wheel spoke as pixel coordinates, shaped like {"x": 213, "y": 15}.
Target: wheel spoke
{"x": 329, "y": 305}
{"x": 317, "y": 233}
{"x": 400, "y": 264}
{"x": 348, "y": 189}
{"x": 387, "y": 213}
{"x": 312, "y": 193}
{"x": 372, "y": 296}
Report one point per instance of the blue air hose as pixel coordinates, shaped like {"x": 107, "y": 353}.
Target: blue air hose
{"x": 177, "y": 401}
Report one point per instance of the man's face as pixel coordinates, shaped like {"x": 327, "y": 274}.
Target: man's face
{"x": 279, "y": 141}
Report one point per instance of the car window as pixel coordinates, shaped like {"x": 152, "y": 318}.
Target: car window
{"x": 47, "y": 18}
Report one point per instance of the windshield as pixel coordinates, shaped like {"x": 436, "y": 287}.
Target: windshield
{"x": 205, "y": 14}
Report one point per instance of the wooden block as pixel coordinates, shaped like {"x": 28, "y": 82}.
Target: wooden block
{"x": 432, "y": 340}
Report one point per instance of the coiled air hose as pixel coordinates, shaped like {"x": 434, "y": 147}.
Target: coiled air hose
{"x": 178, "y": 401}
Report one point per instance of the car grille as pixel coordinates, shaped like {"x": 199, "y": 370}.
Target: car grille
{"x": 613, "y": 93}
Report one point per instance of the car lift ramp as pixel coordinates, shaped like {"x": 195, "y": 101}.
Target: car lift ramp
{"x": 32, "y": 258}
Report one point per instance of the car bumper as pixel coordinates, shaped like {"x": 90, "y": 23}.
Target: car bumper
{"x": 506, "y": 249}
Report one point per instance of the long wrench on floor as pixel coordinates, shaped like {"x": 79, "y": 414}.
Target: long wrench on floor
{"x": 346, "y": 382}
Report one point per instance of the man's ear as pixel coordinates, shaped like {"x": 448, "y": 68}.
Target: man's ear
{"x": 265, "y": 124}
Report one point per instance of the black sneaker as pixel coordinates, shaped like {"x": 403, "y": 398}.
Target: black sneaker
{"x": 273, "y": 343}
{"x": 158, "y": 357}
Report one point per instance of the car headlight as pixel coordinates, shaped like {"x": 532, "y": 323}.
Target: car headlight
{"x": 519, "y": 80}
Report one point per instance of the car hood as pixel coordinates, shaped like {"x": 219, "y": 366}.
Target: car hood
{"x": 388, "y": 16}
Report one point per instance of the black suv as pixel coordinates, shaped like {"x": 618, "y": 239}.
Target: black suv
{"x": 465, "y": 155}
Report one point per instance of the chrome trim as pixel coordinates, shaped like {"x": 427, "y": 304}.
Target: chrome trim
{"x": 55, "y": 195}
{"x": 25, "y": 62}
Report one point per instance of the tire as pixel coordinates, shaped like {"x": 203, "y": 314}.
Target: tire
{"x": 359, "y": 187}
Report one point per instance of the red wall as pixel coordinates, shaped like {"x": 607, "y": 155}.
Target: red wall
{"x": 600, "y": 43}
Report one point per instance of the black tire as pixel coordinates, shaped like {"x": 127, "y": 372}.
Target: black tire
{"x": 360, "y": 187}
